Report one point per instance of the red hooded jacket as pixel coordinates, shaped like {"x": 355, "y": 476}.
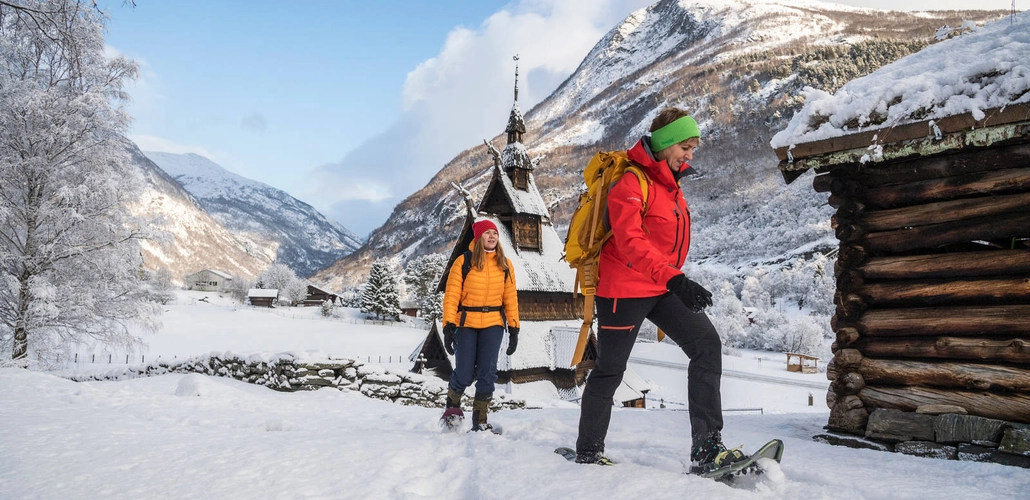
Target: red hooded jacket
{"x": 644, "y": 253}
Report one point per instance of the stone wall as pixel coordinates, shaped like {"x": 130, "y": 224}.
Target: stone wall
{"x": 291, "y": 372}
{"x": 942, "y": 434}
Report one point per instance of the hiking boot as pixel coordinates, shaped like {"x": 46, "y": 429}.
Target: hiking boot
{"x": 709, "y": 454}
{"x": 483, "y": 427}
{"x": 480, "y": 409}
{"x": 452, "y": 417}
{"x": 595, "y": 458}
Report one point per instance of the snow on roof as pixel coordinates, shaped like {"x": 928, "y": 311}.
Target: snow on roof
{"x": 316, "y": 288}
{"x": 540, "y": 346}
{"x": 525, "y": 202}
{"x": 986, "y": 69}
{"x": 212, "y": 271}
{"x": 263, "y": 292}
{"x": 542, "y": 271}
{"x": 632, "y": 387}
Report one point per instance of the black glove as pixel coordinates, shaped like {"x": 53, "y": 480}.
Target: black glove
{"x": 513, "y": 339}
{"x": 692, "y": 294}
{"x": 448, "y": 337}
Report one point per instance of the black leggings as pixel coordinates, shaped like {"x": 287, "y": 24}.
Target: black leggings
{"x": 618, "y": 322}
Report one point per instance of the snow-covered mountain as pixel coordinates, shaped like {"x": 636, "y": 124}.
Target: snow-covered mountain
{"x": 298, "y": 235}
{"x": 738, "y": 66}
{"x": 189, "y": 239}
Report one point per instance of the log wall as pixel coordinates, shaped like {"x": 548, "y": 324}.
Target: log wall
{"x": 933, "y": 285}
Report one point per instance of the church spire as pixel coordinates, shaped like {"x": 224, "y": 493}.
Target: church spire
{"x": 516, "y": 125}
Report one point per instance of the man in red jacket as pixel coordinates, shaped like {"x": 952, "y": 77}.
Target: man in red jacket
{"x": 640, "y": 277}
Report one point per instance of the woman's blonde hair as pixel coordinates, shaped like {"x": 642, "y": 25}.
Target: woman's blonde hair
{"x": 479, "y": 257}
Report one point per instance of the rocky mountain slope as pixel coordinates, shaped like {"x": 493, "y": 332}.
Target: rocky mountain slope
{"x": 267, "y": 219}
{"x": 738, "y": 66}
{"x": 189, "y": 239}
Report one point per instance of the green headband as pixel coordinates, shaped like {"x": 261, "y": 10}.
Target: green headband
{"x": 678, "y": 131}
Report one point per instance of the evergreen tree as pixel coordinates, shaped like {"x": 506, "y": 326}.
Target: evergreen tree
{"x": 422, "y": 275}
{"x": 380, "y": 296}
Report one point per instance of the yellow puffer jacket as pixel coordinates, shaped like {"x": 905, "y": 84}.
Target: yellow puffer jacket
{"x": 486, "y": 287}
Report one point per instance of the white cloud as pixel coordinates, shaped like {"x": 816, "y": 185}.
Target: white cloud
{"x": 254, "y": 122}
{"x": 463, "y": 95}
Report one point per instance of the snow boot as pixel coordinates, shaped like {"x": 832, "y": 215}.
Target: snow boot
{"x": 708, "y": 454}
{"x": 452, "y": 417}
{"x": 480, "y": 409}
{"x": 595, "y": 458}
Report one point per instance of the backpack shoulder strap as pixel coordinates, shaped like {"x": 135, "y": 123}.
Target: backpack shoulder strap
{"x": 466, "y": 266}
{"x": 644, "y": 180}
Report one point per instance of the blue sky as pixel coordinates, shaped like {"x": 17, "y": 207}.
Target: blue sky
{"x": 351, "y": 106}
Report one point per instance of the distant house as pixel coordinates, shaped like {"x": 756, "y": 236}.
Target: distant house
{"x": 262, "y": 297}
{"x": 316, "y": 296}
{"x": 409, "y": 308}
{"x": 208, "y": 280}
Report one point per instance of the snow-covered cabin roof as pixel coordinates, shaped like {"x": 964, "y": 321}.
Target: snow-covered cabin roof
{"x": 976, "y": 73}
{"x": 542, "y": 344}
{"x": 213, "y": 271}
{"x": 542, "y": 271}
{"x": 319, "y": 289}
{"x": 263, "y": 292}
{"x": 632, "y": 387}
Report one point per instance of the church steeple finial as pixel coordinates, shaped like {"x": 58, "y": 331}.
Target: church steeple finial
{"x": 516, "y": 59}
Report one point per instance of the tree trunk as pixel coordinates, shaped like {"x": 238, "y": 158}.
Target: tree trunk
{"x": 1010, "y": 407}
{"x": 945, "y": 375}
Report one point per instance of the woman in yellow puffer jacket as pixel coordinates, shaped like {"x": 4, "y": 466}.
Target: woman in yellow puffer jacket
{"x": 477, "y": 308}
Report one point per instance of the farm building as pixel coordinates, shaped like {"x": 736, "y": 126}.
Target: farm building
{"x": 316, "y": 296}
{"x": 927, "y": 163}
{"x": 262, "y": 297}
{"x": 208, "y": 280}
{"x": 549, "y": 312}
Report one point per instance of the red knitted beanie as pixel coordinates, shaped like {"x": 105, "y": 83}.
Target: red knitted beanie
{"x": 479, "y": 227}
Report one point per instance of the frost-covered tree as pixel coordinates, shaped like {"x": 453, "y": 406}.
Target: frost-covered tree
{"x": 727, "y": 314}
{"x": 280, "y": 277}
{"x": 380, "y": 296}
{"x": 69, "y": 254}
{"x": 277, "y": 276}
{"x": 159, "y": 286}
{"x": 239, "y": 288}
{"x": 422, "y": 276}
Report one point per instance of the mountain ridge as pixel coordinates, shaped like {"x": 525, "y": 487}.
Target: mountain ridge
{"x": 304, "y": 239}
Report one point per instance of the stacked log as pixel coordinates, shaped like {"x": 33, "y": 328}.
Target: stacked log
{"x": 933, "y": 285}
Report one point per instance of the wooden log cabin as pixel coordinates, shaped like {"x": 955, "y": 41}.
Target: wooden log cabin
{"x": 932, "y": 199}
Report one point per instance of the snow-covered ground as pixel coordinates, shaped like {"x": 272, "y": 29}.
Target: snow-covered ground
{"x": 193, "y": 436}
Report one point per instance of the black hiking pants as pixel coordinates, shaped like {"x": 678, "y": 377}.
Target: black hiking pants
{"x": 618, "y": 322}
